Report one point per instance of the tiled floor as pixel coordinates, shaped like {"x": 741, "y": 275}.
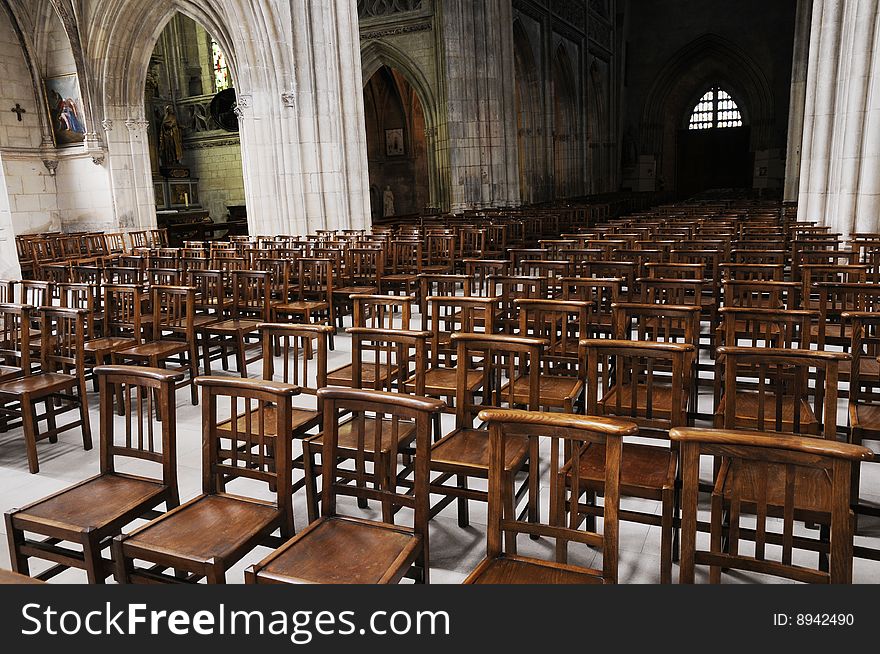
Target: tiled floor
{"x": 454, "y": 551}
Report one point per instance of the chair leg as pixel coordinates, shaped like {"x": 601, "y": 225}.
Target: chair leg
{"x": 84, "y": 416}
{"x": 123, "y": 567}
{"x": 241, "y": 355}
{"x": 534, "y": 483}
{"x": 94, "y": 562}
{"x": 715, "y": 537}
{"x": 463, "y": 517}
{"x": 193, "y": 373}
{"x": 666, "y": 528}
{"x": 28, "y": 419}
{"x": 216, "y": 573}
{"x": 310, "y": 473}
{"x": 15, "y": 538}
{"x": 50, "y": 418}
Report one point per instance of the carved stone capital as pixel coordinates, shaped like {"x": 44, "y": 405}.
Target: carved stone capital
{"x": 98, "y": 158}
{"x": 137, "y": 125}
{"x": 51, "y": 165}
{"x": 289, "y": 99}
{"x": 107, "y": 124}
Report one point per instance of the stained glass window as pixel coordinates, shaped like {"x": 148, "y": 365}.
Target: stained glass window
{"x": 222, "y": 78}
{"x": 716, "y": 109}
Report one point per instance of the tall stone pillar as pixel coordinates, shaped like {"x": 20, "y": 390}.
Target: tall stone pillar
{"x": 799, "y": 68}
{"x": 840, "y": 157}
{"x": 479, "y": 132}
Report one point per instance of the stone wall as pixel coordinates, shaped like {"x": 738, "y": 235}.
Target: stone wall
{"x": 221, "y": 183}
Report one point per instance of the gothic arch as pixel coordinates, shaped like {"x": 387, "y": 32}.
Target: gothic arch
{"x": 709, "y": 59}
{"x": 375, "y": 55}
{"x": 567, "y": 180}
{"x": 529, "y": 117}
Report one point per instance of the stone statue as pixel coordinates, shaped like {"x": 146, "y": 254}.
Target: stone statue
{"x": 388, "y": 201}
{"x": 170, "y": 139}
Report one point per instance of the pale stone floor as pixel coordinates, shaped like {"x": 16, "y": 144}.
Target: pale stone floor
{"x": 453, "y": 551}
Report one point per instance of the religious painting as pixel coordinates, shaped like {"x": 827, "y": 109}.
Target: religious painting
{"x": 159, "y": 192}
{"x": 394, "y": 143}
{"x": 65, "y": 110}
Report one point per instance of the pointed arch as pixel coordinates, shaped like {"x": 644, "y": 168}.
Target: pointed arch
{"x": 529, "y": 114}
{"x": 567, "y": 176}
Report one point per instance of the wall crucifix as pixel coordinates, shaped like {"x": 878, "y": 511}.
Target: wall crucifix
{"x": 18, "y": 110}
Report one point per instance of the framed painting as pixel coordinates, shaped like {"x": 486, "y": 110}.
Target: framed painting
{"x": 64, "y": 103}
{"x": 394, "y": 143}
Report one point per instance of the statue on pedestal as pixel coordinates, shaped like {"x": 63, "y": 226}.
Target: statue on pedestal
{"x": 170, "y": 140}
{"x": 388, "y": 202}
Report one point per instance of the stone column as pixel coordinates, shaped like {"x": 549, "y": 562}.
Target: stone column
{"x": 799, "y": 67}
{"x": 480, "y": 128}
{"x": 840, "y": 162}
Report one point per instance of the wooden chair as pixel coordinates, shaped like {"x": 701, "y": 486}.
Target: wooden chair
{"x": 768, "y": 389}
{"x": 60, "y": 385}
{"x": 561, "y": 324}
{"x": 211, "y": 305}
{"x": 507, "y": 429}
{"x": 647, "y": 383}
{"x": 364, "y": 271}
{"x": 444, "y": 317}
{"x": 441, "y": 284}
{"x": 403, "y": 269}
{"x": 303, "y": 352}
{"x": 374, "y": 312}
{"x": 251, "y": 307}
{"x": 506, "y": 290}
{"x": 91, "y": 512}
{"x": 385, "y": 553}
{"x": 770, "y": 476}
{"x": 397, "y": 361}
{"x": 187, "y": 538}
{"x": 174, "y": 336}
{"x": 310, "y": 300}
{"x": 463, "y": 453}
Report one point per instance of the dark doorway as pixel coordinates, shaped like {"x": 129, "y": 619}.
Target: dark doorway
{"x": 713, "y": 159}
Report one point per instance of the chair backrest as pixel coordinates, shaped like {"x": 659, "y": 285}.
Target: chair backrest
{"x": 82, "y": 296}
{"x": 431, "y": 285}
{"x": 62, "y": 339}
{"x": 752, "y": 272}
{"x": 303, "y": 350}
{"x": 498, "y": 358}
{"x": 392, "y": 414}
{"x": 405, "y": 257}
{"x": 757, "y": 293}
{"x": 647, "y": 382}
{"x": 15, "y": 331}
{"x": 316, "y": 279}
{"x": 569, "y": 438}
{"x": 174, "y": 309}
{"x": 766, "y": 327}
{"x": 779, "y": 396}
{"x": 142, "y": 390}
{"x": 36, "y": 293}
{"x": 396, "y": 357}
{"x": 379, "y": 311}
{"x": 665, "y": 323}
{"x": 251, "y": 294}
{"x": 123, "y": 304}
{"x": 562, "y": 324}
{"x": 836, "y": 299}
{"x": 251, "y": 453}
{"x": 864, "y": 383}
{"x": 365, "y": 266}
{"x": 210, "y": 290}
{"x": 759, "y": 470}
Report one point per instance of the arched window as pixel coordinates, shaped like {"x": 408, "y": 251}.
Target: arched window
{"x": 716, "y": 109}
{"x": 222, "y": 78}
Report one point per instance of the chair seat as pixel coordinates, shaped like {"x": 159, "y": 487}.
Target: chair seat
{"x": 10, "y": 372}
{"x": 208, "y": 527}
{"x": 234, "y": 326}
{"x": 343, "y": 376}
{"x": 301, "y": 419}
{"x": 747, "y": 413}
{"x": 661, "y": 400}
{"x": 509, "y": 569}
{"x": 107, "y": 344}
{"x": 348, "y": 436}
{"x": 812, "y": 486}
{"x": 442, "y": 381}
{"x": 343, "y": 551}
{"x": 356, "y": 290}
{"x": 96, "y": 503}
{"x": 554, "y": 391}
{"x": 301, "y": 307}
{"x": 866, "y": 418}
{"x": 642, "y": 467}
{"x": 158, "y": 349}
{"x": 469, "y": 448}
{"x": 201, "y": 320}
{"x": 8, "y": 578}
{"x": 40, "y": 383}
{"x": 400, "y": 278}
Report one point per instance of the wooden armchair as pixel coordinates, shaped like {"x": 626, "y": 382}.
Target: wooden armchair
{"x": 187, "y": 539}
{"x": 91, "y": 512}
{"x": 576, "y": 434}
{"x": 769, "y": 476}
{"x": 385, "y": 552}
